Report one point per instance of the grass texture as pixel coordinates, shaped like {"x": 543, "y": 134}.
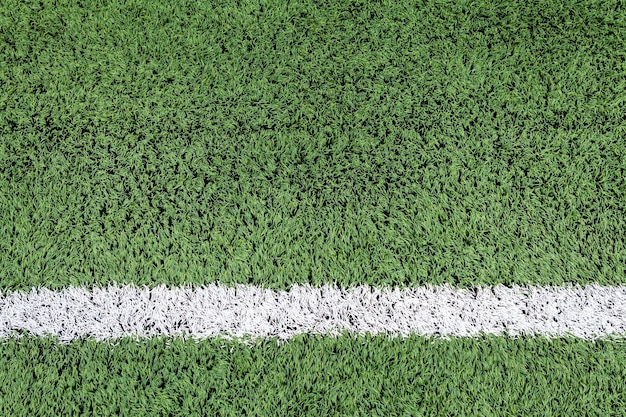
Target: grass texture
{"x": 315, "y": 376}
{"x": 391, "y": 143}
{"x": 273, "y": 143}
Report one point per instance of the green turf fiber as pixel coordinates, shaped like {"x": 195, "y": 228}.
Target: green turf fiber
{"x": 315, "y": 376}
{"x": 274, "y": 143}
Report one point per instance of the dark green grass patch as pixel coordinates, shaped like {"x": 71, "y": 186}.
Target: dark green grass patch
{"x": 314, "y": 376}
{"x": 388, "y": 143}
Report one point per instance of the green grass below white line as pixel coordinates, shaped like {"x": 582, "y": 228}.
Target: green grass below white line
{"x": 249, "y": 311}
{"x": 316, "y": 376}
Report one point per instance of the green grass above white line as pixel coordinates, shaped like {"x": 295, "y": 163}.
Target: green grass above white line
{"x": 246, "y": 311}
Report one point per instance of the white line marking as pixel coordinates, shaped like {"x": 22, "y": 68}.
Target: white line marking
{"x": 245, "y": 311}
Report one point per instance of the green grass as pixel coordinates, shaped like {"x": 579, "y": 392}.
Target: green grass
{"x": 273, "y": 143}
{"x": 345, "y": 141}
{"x": 316, "y": 376}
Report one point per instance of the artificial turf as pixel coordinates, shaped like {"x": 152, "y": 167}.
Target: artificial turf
{"x": 315, "y": 376}
{"x": 390, "y": 143}
{"x": 273, "y": 142}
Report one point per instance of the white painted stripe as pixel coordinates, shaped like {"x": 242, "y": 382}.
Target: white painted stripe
{"x": 249, "y": 312}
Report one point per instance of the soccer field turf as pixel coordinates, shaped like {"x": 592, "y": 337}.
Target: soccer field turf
{"x": 476, "y": 148}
